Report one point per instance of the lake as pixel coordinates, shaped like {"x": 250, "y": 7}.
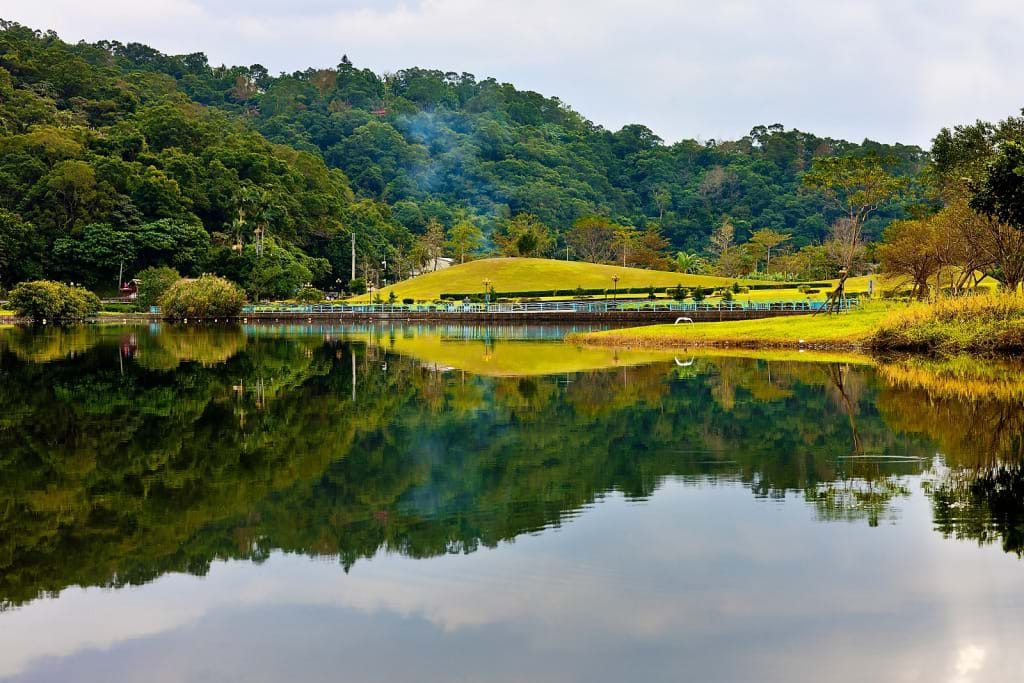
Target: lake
{"x": 469, "y": 503}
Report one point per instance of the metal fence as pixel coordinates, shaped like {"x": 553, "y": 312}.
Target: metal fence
{"x": 549, "y": 307}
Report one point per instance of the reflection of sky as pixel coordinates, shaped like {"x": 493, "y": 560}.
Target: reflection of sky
{"x": 699, "y": 583}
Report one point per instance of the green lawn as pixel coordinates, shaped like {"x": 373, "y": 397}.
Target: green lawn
{"x": 536, "y": 274}
{"x": 845, "y": 330}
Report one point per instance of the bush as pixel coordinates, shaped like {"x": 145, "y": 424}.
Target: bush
{"x": 47, "y": 300}
{"x": 309, "y": 295}
{"x": 153, "y": 282}
{"x": 357, "y": 286}
{"x": 206, "y": 297}
{"x": 698, "y": 294}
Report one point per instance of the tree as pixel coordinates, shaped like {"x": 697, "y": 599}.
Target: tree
{"x": 913, "y": 249}
{"x": 857, "y": 186}
{"x": 650, "y": 250}
{"x": 625, "y": 242}
{"x": 21, "y": 249}
{"x": 593, "y": 239}
{"x": 433, "y": 243}
{"x": 153, "y": 282}
{"x": 766, "y": 239}
{"x": 1001, "y": 194}
{"x": 526, "y": 236}
{"x": 465, "y": 238}
{"x": 690, "y": 263}
{"x": 728, "y": 259}
{"x": 277, "y": 272}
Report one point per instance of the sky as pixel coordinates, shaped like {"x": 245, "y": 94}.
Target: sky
{"x": 889, "y": 70}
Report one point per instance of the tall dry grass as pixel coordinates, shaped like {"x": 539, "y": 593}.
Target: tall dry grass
{"x": 979, "y": 323}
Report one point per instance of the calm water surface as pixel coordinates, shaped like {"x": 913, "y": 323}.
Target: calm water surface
{"x": 491, "y": 504}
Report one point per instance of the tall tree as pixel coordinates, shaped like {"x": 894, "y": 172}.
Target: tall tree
{"x": 593, "y": 239}
{"x": 525, "y": 235}
{"x": 857, "y": 186}
{"x": 766, "y": 239}
{"x": 465, "y": 238}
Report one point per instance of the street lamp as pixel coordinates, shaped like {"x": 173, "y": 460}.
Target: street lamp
{"x": 487, "y": 291}
{"x": 615, "y": 285}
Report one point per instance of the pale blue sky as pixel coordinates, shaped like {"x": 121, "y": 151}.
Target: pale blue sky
{"x": 891, "y": 70}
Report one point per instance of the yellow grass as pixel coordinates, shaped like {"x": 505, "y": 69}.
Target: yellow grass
{"x": 535, "y": 274}
{"x": 846, "y": 330}
{"x": 984, "y": 322}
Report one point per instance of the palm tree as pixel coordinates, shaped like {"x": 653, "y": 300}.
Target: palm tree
{"x": 690, "y": 263}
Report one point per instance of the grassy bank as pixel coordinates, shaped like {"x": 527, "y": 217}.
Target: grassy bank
{"x": 975, "y": 324}
{"x": 989, "y": 323}
{"x": 844, "y": 331}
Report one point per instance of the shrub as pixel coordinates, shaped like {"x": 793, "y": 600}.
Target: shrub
{"x": 48, "y": 300}
{"x": 698, "y": 294}
{"x": 206, "y": 297}
{"x": 408, "y": 301}
{"x": 309, "y": 295}
{"x": 726, "y": 295}
{"x": 357, "y": 286}
{"x": 153, "y": 282}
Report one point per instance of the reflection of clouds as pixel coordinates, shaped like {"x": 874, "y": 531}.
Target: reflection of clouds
{"x": 709, "y": 579}
{"x": 969, "y": 660}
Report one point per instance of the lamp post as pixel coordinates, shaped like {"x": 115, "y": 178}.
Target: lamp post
{"x": 487, "y": 291}
{"x": 615, "y": 286}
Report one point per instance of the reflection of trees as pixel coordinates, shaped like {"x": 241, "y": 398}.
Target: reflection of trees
{"x": 986, "y": 505}
{"x": 114, "y": 476}
{"x": 974, "y": 411}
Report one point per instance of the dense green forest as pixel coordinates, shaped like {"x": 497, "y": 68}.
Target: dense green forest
{"x": 115, "y": 153}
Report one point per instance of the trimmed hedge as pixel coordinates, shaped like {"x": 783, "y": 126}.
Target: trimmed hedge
{"x": 450, "y": 296}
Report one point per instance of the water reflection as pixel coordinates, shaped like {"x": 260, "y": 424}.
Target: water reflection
{"x": 128, "y": 454}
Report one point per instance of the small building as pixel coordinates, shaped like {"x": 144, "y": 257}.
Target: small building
{"x": 130, "y": 290}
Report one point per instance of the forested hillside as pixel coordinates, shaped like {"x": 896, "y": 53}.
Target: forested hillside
{"x": 116, "y": 154}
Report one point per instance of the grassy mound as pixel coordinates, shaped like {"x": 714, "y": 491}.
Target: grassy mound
{"x": 978, "y": 324}
{"x": 536, "y": 274}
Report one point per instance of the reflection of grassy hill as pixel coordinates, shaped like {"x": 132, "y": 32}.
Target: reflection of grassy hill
{"x": 536, "y": 274}
{"x": 511, "y": 358}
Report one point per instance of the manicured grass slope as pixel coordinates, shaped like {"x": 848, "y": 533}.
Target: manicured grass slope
{"x": 535, "y": 274}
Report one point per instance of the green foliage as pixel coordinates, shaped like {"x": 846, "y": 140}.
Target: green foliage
{"x": 698, "y": 294}
{"x": 101, "y": 143}
{"x": 41, "y": 300}
{"x": 1001, "y": 193}
{"x": 357, "y": 286}
{"x": 310, "y": 295}
{"x": 525, "y": 236}
{"x": 153, "y": 283}
{"x": 208, "y": 296}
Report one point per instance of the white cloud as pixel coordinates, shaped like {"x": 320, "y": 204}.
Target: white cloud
{"x": 890, "y": 70}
